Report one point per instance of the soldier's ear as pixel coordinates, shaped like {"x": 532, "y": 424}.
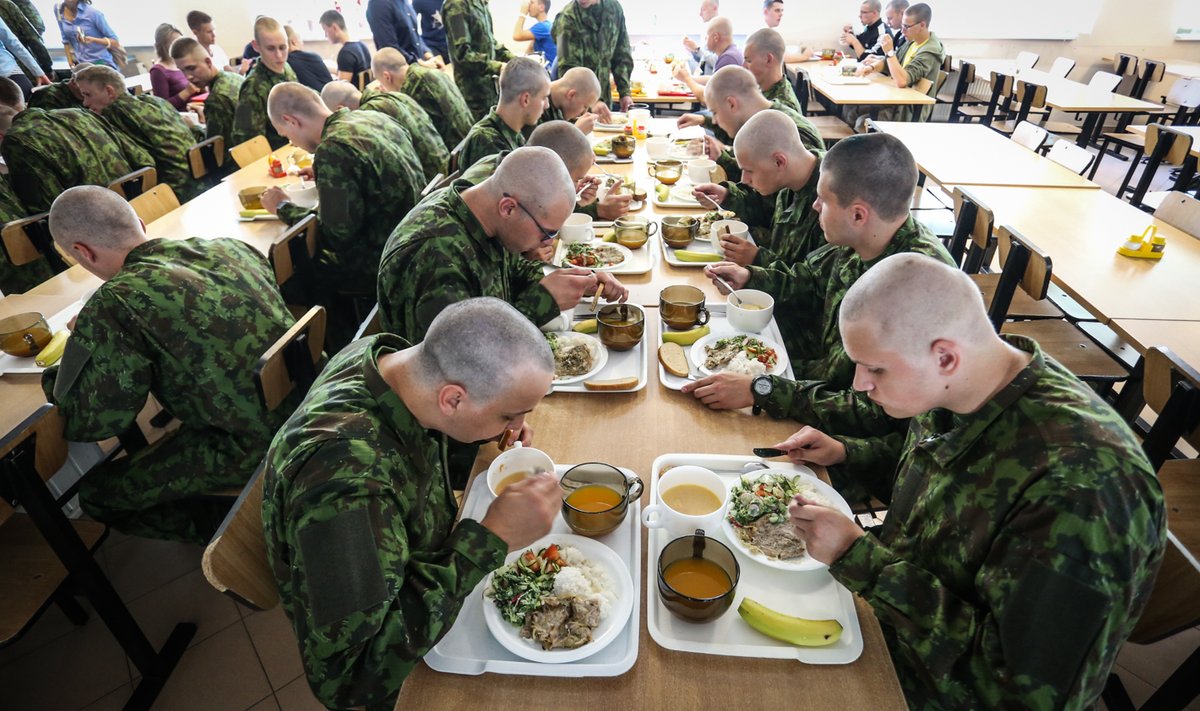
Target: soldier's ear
{"x": 946, "y": 353}
{"x": 450, "y": 399}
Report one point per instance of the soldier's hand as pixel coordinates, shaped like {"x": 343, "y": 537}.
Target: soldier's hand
{"x": 43, "y": 80}
{"x": 733, "y": 274}
{"x": 716, "y": 193}
{"x": 713, "y": 148}
{"x": 271, "y": 199}
{"x": 626, "y": 102}
{"x": 613, "y": 205}
{"x": 812, "y": 446}
{"x": 827, "y": 532}
{"x": 586, "y": 122}
{"x": 568, "y": 286}
{"x": 542, "y": 253}
{"x": 723, "y": 391}
{"x": 588, "y": 185}
{"x": 307, "y": 173}
{"x": 525, "y": 436}
{"x": 689, "y": 120}
{"x": 524, "y": 511}
{"x": 614, "y": 290}
{"x": 600, "y": 108}
{"x": 739, "y": 250}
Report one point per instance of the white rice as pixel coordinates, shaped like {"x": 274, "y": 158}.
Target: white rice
{"x": 583, "y": 578}
{"x": 743, "y": 364}
{"x": 811, "y": 493}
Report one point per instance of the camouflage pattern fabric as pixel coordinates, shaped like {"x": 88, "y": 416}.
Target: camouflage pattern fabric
{"x": 157, "y": 127}
{"x": 54, "y": 96}
{"x": 32, "y": 15}
{"x": 28, "y": 34}
{"x": 596, "y": 38}
{"x": 440, "y": 255}
{"x": 822, "y": 395}
{"x": 490, "y": 135}
{"x": 484, "y": 167}
{"x": 810, "y": 138}
{"x": 788, "y": 228}
{"x": 1019, "y": 549}
{"x": 354, "y": 482}
{"x": 184, "y": 320}
{"x": 437, "y": 94}
{"x": 428, "y": 145}
{"x": 475, "y": 53}
{"x": 552, "y": 113}
{"x": 782, "y": 92}
{"x": 251, "y": 119}
{"x": 14, "y": 279}
{"x": 220, "y": 108}
{"x": 925, "y": 63}
{"x": 50, "y": 151}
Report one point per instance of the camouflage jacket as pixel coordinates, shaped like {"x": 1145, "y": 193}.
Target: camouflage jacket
{"x": 783, "y": 92}
{"x": 552, "y": 113}
{"x": 490, "y": 135}
{"x": 28, "y": 34}
{"x": 475, "y": 53}
{"x": 14, "y": 279}
{"x": 484, "y": 167}
{"x": 1019, "y": 549}
{"x": 50, "y": 151}
{"x": 54, "y": 96}
{"x": 186, "y": 320}
{"x": 157, "y": 127}
{"x": 808, "y": 295}
{"x": 251, "y": 119}
{"x": 220, "y": 108}
{"x": 32, "y": 15}
{"x": 425, "y": 139}
{"x": 810, "y": 138}
{"x": 790, "y": 228}
{"x": 368, "y": 178}
{"x": 353, "y": 479}
{"x": 596, "y": 38}
{"x": 440, "y": 255}
{"x": 441, "y": 99}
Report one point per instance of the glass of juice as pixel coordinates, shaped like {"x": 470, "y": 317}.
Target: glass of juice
{"x": 697, "y": 577}
{"x": 596, "y": 497}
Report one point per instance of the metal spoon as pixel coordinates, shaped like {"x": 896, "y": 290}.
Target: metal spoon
{"x": 714, "y": 203}
{"x": 737, "y": 301}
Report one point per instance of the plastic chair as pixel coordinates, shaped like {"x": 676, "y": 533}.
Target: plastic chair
{"x": 1072, "y": 157}
{"x": 1062, "y": 67}
{"x": 1030, "y": 135}
{"x": 1027, "y": 60}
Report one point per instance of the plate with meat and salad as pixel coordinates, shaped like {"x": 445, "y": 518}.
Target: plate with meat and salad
{"x": 744, "y": 353}
{"x": 562, "y": 599}
{"x": 577, "y": 356}
{"x": 595, "y": 255}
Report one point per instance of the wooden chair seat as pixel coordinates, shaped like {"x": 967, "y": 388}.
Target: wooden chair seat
{"x": 1071, "y": 347}
{"x": 974, "y": 110}
{"x": 831, "y": 128}
{"x": 133, "y": 184}
{"x": 1135, "y": 140}
{"x": 1023, "y": 305}
{"x": 235, "y": 561}
{"x": 1062, "y": 128}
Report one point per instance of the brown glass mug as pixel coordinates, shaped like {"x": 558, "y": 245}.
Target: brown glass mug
{"x": 596, "y": 497}
{"x": 24, "y": 335}
{"x": 708, "y": 552}
{"x": 621, "y": 326}
{"x": 632, "y": 232}
{"x": 682, "y": 306}
{"x": 667, "y": 172}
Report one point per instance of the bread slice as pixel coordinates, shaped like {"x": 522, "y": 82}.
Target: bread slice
{"x": 613, "y": 384}
{"x": 673, "y": 359}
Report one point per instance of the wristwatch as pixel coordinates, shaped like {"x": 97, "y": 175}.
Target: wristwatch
{"x": 891, "y": 53}
{"x": 761, "y": 388}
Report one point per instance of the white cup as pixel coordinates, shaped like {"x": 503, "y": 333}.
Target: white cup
{"x": 577, "y": 228}
{"x": 659, "y": 515}
{"x": 302, "y": 194}
{"x": 640, "y": 116}
{"x": 736, "y": 228}
{"x": 700, "y": 170}
{"x": 517, "y": 460}
{"x": 750, "y": 320}
{"x": 658, "y": 147}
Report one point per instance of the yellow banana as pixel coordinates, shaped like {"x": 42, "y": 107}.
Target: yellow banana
{"x": 793, "y": 630}
{"x": 53, "y": 350}
{"x": 684, "y": 255}
{"x": 686, "y": 338}
{"x": 588, "y": 326}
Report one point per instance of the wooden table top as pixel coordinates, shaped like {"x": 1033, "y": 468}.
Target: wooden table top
{"x": 1081, "y": 230}
{"x": 1182, "y": 337}
{"x": 1193, "y": 131}
{"x": 973, "y": 154}
{"x": 1061, "y": 93}
{"x": 664, "y": 679}
{"x": 881, "y": 91}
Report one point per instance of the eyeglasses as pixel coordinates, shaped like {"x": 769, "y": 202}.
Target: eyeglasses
{"x": 906, "y": 27}
{"x": 546, "y": 234}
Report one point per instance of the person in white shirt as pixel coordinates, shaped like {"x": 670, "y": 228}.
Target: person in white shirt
{"x": 702, "y": 58}
{"x": 772, "y": 16}
{"x": 201, "y": 25}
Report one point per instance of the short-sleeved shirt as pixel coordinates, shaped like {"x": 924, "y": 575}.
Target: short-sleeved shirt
{"x": 542, "y": 41}
{"x": 219, "y": 57}
{"x": 731, "y": 57}
{"x": 354, "y": 57}
{"x": 310, "y": 69}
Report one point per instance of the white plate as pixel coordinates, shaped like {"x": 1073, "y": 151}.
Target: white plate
{"x": 611, "y": 267}
{"x": 617, "y": 124}
{"x": 698, "y": 355}
{"x": 804, "y": 562}
{"x": 599, "y": 355}
{"x": 510, "y": 636}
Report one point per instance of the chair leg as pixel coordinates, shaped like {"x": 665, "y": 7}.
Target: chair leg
{"x": 1099, "y": 157}
{"x": 70, "y": 607}
{"x": 1133, "y": 164}
{"x": 1180, "y": 689}
{"x": 1114, "y": 695}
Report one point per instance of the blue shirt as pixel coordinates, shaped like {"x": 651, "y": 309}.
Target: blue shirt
{"x": 433, "y": 32}
{"x": 394, "y": 24}
{"x": 12, "y": 51}
{"x": 543, "y": 41}
{"x": 93, "y": 24}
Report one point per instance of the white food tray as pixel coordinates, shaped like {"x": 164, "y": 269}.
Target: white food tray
{"x": 720, "y": 326}
{"x": 810, "y": 594}
{"x": 702, "y": 243}
{"x": 641, "y": 261}
{"x": 26, "y": 366}
{"x": 621, "y": 364}
{"x": 469, "y": 648}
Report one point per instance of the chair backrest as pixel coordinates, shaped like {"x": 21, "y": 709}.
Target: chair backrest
{"x": 1029, "y": 96}
{"x": 801, "y": 88}
{"x": 1002, "y": 88}
{"x": 948, "y": 63}
{"x": 942, "y": 76}
{"x": 370, "y": 325}
{"x": 1125, "y": 65}
{"x": 1184, "y": 93}
{"x": 235, "y": 561}
{"x": 246, "y": 153}
{"x": 1172, "y": 389}
{"x": 1182, "y": 211}
{"x": 1072, "y": 157}
{"x": 155, "y": 202}
{"x": 973, "y": 226}
{"x": 365, "y": 77}
{"x": 290, "y": 363}
{"x": 455, "y": 152}
{"x": 1025, "y": 266}
{"x": 50, "y": 447}
{"x": 207, "y": 157}
{"x": 1104, "y": 81}
{"x": 1175, "y": 145}
{"x": 1153, "y": 71}
{"x": 1027, "y": 60}
{"x": 292, "y": 252}
{"x": 1030, "y": 135}
{"x": 1062, "y": 67}
{"x": 133, "y": 184}
{"x": 27, "y": 239}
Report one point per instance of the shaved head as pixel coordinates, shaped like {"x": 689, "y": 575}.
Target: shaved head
{"x": 909, "y": 301}
{"x": 876, "y": 169}
{"x": 768, "y": 132}
{"x": 582, "y": 80}
{"x": 294, "y": 99}
{"x": 519, "y": 76}
{"x": 731, "y": 81}
{"x": 102, "y": 75}
{"x": 721, "y": 25}
{"x": 536, "y": 177}
{"x": 338, "y": 94}
{"x": 388, "y": 59}
{"x": 95, "y": 216}
{"x": 767, "y": 41}
{"x": 187, "y": 47}
{"x": 264, "y": 25}
{"x": 568, "y": 142}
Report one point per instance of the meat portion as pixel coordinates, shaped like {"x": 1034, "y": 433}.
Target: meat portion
{"x": 562, "y": 622}
{"x": 720, "y": 353}
{"x": 775, "y": 540}
{"x": 572, "y": 360}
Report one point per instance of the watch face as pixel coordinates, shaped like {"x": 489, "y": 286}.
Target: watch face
{"x": 762, "y": 385}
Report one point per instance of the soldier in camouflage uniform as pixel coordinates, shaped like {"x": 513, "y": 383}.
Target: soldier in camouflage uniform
{"x": 476, "y": 55}
{"x": 764, "y": 53}
{"x": 29, "y": 36}
{"x": 357, "y": 477}
{"x": 59, "y": 95}
{"x": 571, "y": 97}
{"x": 1025, "y": 526}
{"x": 873, "y": 174}
{"x": 404, "y": 110}
{"x": 148, "y": 121}
{"x": 465, "y": 241}
{"x": 220, "y": 108}
{"x": 50, "y": 151}
{"x": 184, "y": 320}
{"x": 592, "y": 34}
{"x": 14, "y": 279}
{"x": 524, "y": 87}
{"x": 272, "y": 68}
{"x": 32, "y": 15}
{"x": 434, "y": 90}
